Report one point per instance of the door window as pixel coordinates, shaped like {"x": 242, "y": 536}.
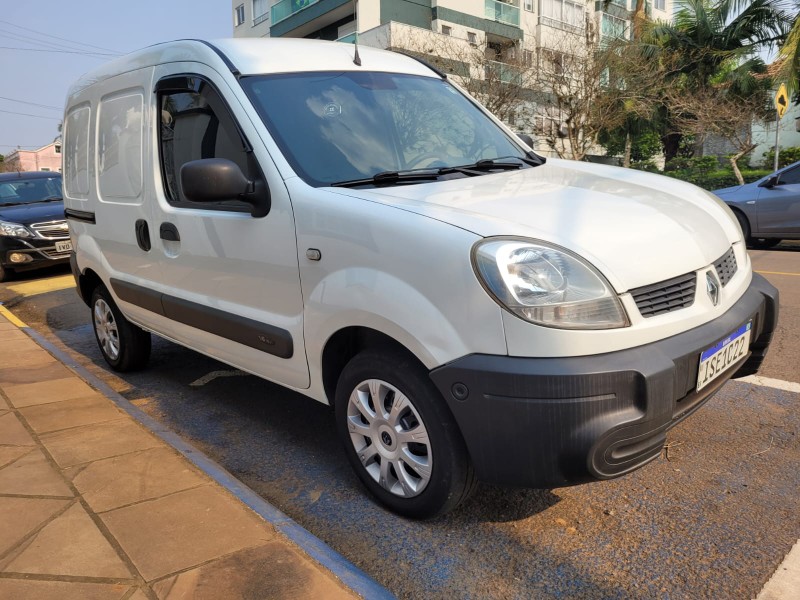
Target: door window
{"x": 790, "y": 176}
{"x": 197, "y": 124}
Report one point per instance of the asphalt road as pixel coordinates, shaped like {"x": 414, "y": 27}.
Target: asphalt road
{"x": 713, "y": 517}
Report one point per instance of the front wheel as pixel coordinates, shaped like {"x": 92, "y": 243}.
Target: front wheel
{"x": 124, "y": 346}
{"x": 5, "y": 273}
{"x": 400, "y": 437}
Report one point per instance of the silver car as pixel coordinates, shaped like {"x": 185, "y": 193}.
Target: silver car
{"x": 768, "y": 210}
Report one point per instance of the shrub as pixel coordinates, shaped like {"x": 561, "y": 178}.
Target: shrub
{"x": 786, "y": 157}
{"x": 720, "y": 178}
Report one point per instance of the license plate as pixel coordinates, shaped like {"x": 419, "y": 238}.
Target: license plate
{"x": 64, "y": 246}
{"x": 717, "y": 359}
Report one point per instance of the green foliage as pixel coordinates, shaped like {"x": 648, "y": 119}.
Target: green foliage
{"x": 700, "y": 165}
{"x": 716, "y": 179}
{"x": 645, "y": 145}
{"x": 786, "y": 157}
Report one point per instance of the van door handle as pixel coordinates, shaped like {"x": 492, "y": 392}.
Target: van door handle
{"x": 143, "y": 235}
{"x": 169, "y": 232}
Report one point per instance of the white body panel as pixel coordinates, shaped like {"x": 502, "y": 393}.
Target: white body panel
{"x": 394, "y": 259}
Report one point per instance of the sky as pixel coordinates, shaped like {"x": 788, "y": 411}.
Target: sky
{"x": 58, "y": 34}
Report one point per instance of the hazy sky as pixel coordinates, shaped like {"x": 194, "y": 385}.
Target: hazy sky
{"x": 71, "y": 27}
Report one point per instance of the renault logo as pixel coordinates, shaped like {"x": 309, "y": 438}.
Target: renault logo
{"x": 712, "y": 287}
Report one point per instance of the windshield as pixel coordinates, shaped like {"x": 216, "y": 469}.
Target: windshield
{"x": 343, "y": 126}
{"x": 26, "y": 191}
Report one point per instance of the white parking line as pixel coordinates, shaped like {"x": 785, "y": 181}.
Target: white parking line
{"x": 785, "y": 582}
{"x": 778, "y": 384}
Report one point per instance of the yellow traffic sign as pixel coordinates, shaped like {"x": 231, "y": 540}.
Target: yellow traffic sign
{"x": 781, "y": 100}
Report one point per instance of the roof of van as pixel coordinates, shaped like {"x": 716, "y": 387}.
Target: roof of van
{"x": 251, "y": 56}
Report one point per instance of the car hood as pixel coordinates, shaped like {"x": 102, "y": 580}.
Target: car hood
{"x": 635, "y": 227}
{"x": 729, "y": 190}
{"x": 34, "y": 212}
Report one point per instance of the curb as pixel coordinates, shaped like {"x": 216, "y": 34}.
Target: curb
{"x": 349, "y": 574}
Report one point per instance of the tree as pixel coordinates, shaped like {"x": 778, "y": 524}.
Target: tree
{"x": 709, "y": 37}
{"x": 790, "y": 54}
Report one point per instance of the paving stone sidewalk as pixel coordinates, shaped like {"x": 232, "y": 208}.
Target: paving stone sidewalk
{"x": 94, "y": 506}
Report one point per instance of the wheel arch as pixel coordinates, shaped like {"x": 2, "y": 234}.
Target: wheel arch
{"x": 343, "y": 345}
{"x": 87, "y": 282}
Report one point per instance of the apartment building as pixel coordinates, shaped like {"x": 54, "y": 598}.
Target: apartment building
{"x": 483, "y": 39}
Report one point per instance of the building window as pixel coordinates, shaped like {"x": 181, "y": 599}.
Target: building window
{"x": 472, "y": 37}
{"x": 661, "y": 4}
{"x": 563, "y": 14}
{"x": 446, "y": 30}
{"x": 238, "y": 15}
{"x": 58, "y": 148}
{"x": 260, "y": 11}
{"x": 613, "y": 27}
{"x": 45, "y": 169}
{"x": 527, "y": 58}
{"x": 529, "y": 5}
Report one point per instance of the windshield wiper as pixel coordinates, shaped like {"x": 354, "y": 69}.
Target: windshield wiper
{"x": 52, "y": 199}
{"x": 390, "y": 177}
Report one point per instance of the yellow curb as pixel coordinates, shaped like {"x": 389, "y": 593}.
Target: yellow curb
{"x": 778, "y": 273}
{"x": 11, "y": 317}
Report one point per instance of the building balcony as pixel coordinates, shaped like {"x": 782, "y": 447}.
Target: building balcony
{"x": 283, "y": 9}
{"x": 503, "y": 12}
{"x": 503, "y": 72}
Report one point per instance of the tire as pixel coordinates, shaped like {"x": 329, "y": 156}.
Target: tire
{"x": 412, "y": 460}
{"x": 765, "y": 243}
{"x": 124, "y": 346}
{"x": 744, "y": 225}
{"x": 5, "y": 273}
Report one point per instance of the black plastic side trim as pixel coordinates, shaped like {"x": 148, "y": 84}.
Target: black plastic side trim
{"x": 84, "y": 216}
{"x": 249, "y": 332}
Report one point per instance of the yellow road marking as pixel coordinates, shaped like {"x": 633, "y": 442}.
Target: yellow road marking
{"x": 778, "y": 273}
{"x": 11, "y": 317}
{"x": 42, "y": 286}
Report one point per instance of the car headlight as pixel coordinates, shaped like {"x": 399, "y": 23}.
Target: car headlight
{"x": 547, "y": 286}
{"x": 14, "y": 230}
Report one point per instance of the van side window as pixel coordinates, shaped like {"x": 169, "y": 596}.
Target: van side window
{"x": 195, "y": 125}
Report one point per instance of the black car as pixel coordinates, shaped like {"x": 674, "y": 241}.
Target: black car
{"x": 33, "y": 231}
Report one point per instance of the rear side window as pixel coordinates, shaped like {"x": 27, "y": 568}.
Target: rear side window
{"x": 76, "y": 153}
{"x": 196, "y": 124}
{"x": 119, "y": 147}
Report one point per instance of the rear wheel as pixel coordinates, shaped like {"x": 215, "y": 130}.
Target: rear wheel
{"x": 400, "y": 437}
{"x": 124, "y": 346}
{"x": 764, "y": 243}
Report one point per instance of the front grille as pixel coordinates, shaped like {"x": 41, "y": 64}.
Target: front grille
{"x": 726, "y": 266}
{"x": 53, "y": 254}
{"x": 664, "y": 297}
{"x": 52, "y": 230}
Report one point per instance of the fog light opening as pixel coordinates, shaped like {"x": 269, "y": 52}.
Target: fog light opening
{"x": 19, "y": 257}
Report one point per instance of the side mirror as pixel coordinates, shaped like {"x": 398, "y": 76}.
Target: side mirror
{"x": 219, "y": 179}
{"x": 526, "y": 139}
{"x": 770, "y": 182}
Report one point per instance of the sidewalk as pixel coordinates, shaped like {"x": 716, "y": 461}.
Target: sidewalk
{"x": 94, "y": 506}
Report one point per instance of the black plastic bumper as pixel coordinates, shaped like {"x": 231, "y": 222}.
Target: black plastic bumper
{"x": 42, "y": 253}
{"x": 548, "y": 422}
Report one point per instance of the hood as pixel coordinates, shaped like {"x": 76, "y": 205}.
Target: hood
{"x": 637, "y": 228}
{"x": 33, "y": 212}
{"x": 728, "y": 190}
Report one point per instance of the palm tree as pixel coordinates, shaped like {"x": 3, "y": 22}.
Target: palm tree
{"x": 790, "y": 53}
{"x": 716, "y": 43}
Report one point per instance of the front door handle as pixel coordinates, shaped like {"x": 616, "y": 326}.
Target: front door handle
{"x": 143, "y": 235}
{"x": 169, "y": 232}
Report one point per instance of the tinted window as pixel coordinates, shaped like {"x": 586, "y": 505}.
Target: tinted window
{"x": 196, "y": 125}
{"x": 349, "y": 125}
{"x": 25, "y": 191}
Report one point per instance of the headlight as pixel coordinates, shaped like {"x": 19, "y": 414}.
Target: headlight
{"x": 547, "y": 286}
{"x": 14, "y": 230}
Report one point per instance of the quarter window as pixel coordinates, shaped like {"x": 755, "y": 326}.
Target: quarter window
{"x": 196, "y": 125}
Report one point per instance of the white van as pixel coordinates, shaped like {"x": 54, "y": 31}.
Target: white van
{"x": 365, "y": 233}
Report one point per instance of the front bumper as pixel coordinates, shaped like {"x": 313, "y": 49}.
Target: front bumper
{"x": 42, "y": 253}
{"x": 548, "y": 422}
